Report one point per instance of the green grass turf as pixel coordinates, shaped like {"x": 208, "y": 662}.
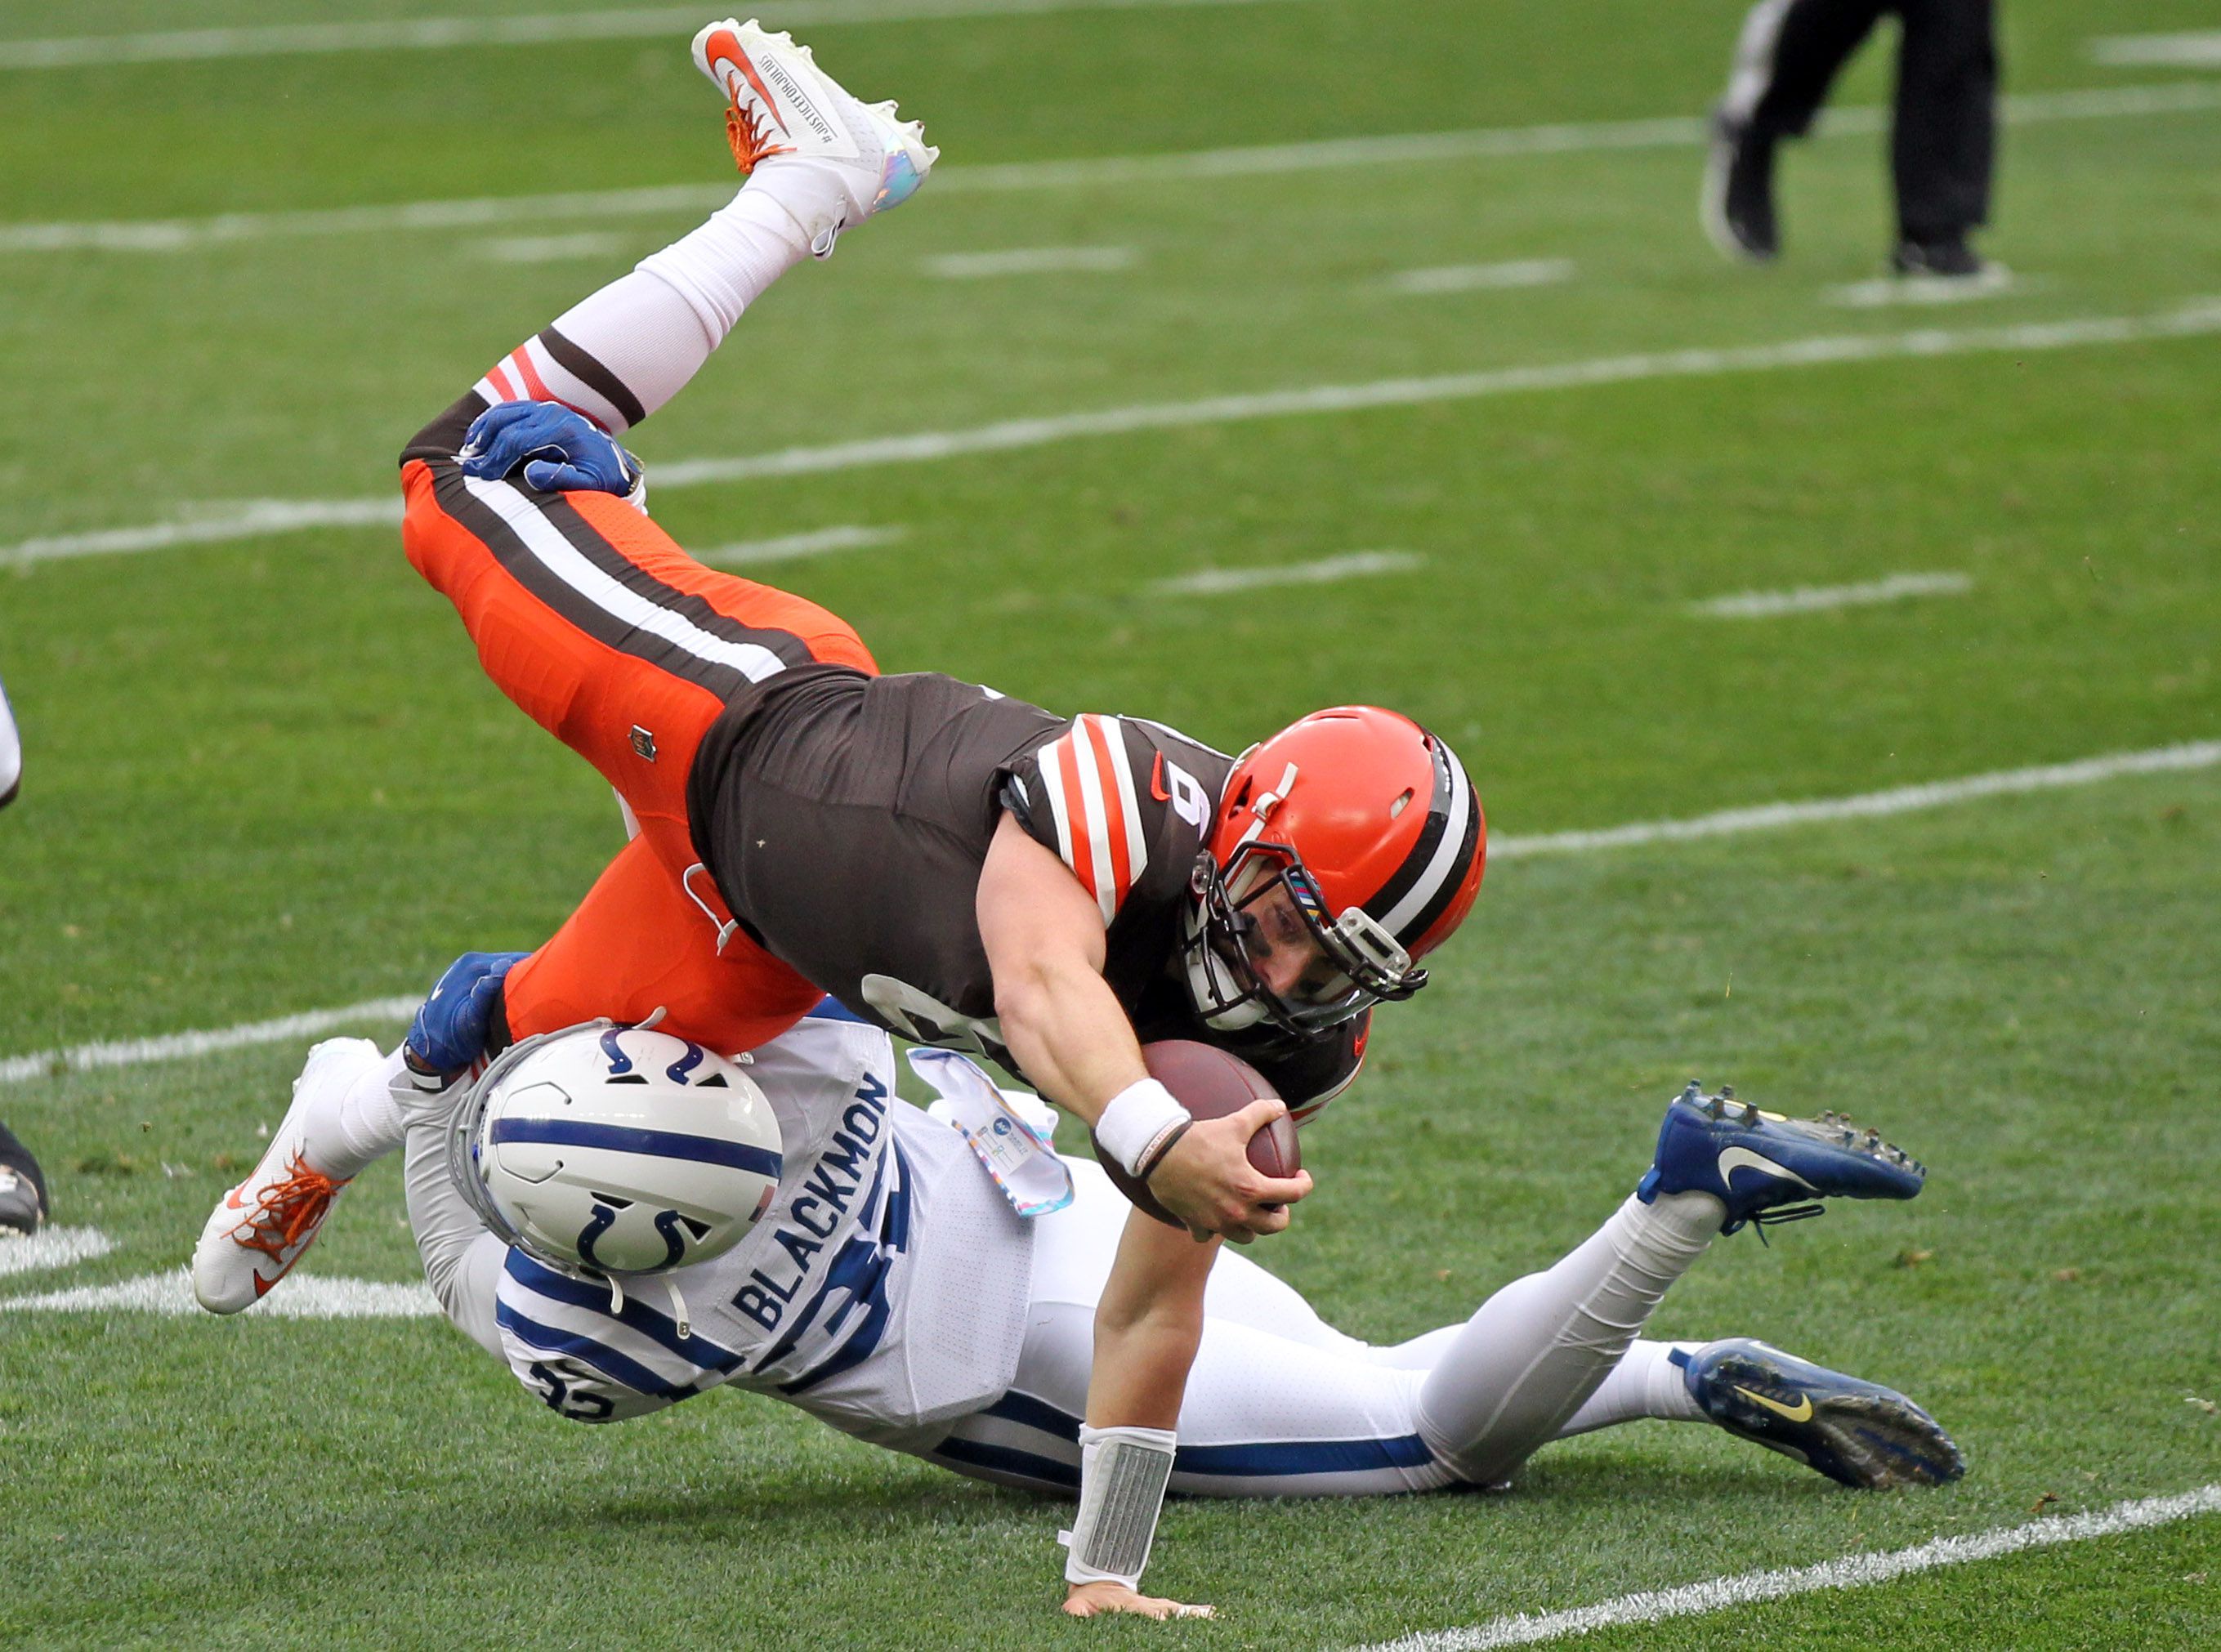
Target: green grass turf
{"x": 267, "y": 777}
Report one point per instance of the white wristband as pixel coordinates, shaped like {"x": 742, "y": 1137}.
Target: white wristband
{"x": 1123, "y": 1475}
{"x": 1138, "y": 1117}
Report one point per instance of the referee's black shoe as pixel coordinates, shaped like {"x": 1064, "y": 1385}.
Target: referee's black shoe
{"x": 1737, "y": 208}
{"x": 1946, "y": 259}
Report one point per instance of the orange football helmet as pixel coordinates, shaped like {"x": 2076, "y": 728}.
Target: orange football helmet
{"x": 1371, "y": 825}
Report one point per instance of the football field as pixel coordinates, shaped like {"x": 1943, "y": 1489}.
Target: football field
{"x": 1241, "y": 357}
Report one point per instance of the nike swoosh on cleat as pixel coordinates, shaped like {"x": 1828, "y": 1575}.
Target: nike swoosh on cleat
{"x": 1800, "y": 1412}
{"x": 728, "y": 47}
{"x": 232, "y": 1197}
{"x": 262, "y": 1286}
{"x": 1737, "y": 1159}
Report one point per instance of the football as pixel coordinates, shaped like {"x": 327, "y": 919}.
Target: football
{"x": 1210, "y": 1084}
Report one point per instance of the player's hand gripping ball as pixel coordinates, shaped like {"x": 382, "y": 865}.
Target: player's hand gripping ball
{"x": 1210, "y": 1084}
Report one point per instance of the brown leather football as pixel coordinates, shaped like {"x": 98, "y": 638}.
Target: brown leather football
{"x": 1210, "y": 1084}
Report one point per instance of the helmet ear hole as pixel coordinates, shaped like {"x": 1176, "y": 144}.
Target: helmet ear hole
{"x": 1402, "y": 803}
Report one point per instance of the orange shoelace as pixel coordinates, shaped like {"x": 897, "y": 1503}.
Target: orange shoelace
{"x": 287, "y": 1211}
{"x": 745, "y": 134}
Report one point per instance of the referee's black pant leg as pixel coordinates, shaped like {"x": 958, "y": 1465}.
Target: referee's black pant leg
{"x": 1812, "y": 41}
{"x": 1944, "y": 148}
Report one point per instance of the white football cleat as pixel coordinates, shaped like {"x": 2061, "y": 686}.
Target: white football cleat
{"x": 263, "y": 1226}
{"x": 781, "y": 105}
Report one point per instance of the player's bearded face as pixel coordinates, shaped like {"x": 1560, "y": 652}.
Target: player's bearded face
{"x": 1277, "y": 947}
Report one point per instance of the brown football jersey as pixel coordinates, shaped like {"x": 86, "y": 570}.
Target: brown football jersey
{"x": 846, "y": 819}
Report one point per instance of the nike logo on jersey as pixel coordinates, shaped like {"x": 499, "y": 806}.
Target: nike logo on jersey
{"x": 1800, "y": 1412}
{"x": 1157, "y": 781}
{"x": 1737, "y": 1159}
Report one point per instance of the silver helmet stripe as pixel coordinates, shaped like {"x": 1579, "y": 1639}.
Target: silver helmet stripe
{"x": 1444, "y": 866}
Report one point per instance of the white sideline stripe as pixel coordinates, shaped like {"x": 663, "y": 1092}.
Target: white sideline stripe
{"x": 1899, "y": 800}
{"x": 2195, "y": 318}
{"x": 1031, "y": 260}
{"x": 1851, "y": 1572}
{"x": 1887, "y": 290}
{"x": 306, "y": 1296}
{"x": 432, "y": 33}
{"x": 2194, "y": 754}
{"x": 1483, "y": 143}
{"x": 52, "y": 1247}
{"x": 550, "y": 249}
{"x": 1478, "y": 277}
{"x": 1357, "y": 565}
{"x": 133, "y": 1052}
{"x": 2194, "y": 51}
{"x": 789, "y": 548}
{"x": 1806, "y": 599}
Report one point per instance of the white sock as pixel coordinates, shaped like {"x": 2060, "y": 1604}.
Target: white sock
{"x": 731, "y": 260}
{"x": 1541, "y": 1346}
{"x": 1645, "y": 1383}
{"x": 353, "y": 1127}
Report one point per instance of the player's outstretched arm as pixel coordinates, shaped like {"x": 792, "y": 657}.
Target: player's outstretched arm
{"x": 1148, "y": 1324}
{"x": 1044, "y": 939}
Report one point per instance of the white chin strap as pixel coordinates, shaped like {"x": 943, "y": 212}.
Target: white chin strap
{"x": 1208, "y": 983}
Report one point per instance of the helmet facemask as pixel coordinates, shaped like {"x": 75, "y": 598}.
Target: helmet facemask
{"x": 1360, "y": 964}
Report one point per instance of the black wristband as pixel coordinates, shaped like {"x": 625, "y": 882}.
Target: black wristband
{"x": 1163, "y": 1147}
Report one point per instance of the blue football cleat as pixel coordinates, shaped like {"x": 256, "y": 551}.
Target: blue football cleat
{"x": 1757, "y": 1163}
{"x": 1856, "y": 1432}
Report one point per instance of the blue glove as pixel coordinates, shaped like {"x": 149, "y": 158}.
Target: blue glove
{"x": 560, "y": 451}
{"x": 449, "y": 1032}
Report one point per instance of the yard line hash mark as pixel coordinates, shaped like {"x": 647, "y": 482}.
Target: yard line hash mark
{"x": 1851, "y": 1572}
{"x": 1031, "y": 260}
{"x": 1886, "y": 291}
{"x": 435, "y": 34}
{"x": 789, "y": 548}
{"x": 306, "y": 1296}
{"x": 52, "y": 1247}
{"x": 551, "y": 249}
{"x": 2197, "y": 318}
{"x": 1094, "y": 172}
{"x": 1806, "y": 599}
{"x": 1358, "y": 565}
{"x": 2163, "y": 759}
{"x": 2192, "y": 51}
{"x": 1481, "y": 278}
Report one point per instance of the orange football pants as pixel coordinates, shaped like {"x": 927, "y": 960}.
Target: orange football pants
{"x": 614, "y": 640}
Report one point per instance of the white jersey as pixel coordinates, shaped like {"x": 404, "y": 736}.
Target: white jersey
{"x": 884, "y": 1291}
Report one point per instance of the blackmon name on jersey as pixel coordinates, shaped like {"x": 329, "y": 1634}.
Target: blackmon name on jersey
{"x": 846, "y": 819}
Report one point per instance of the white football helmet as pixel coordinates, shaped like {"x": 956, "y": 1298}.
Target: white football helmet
{"x": 613, "y": 1150}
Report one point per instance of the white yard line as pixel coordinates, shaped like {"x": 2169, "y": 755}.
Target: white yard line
{"x": 1898, "y": 800}
{"x": 207, "y": 525}
{"x": 1031, "y": 260}
{"x": 1357, "y": 565}
{"x": 2196, "y": 318}
{"x": 133, "y": 1052}
{"x": 1481, "y": 278}
{"x": 1806, "y": 599}
{"x": 306, "y": 1296}
{"x": 2163, "y": 759}
{"x": 1485, "y": 143}
{"x": 436, "y": 33}
{"x": 51, "y": 1248}
{"x": 1851, "y": 1572}
{"x": 790, "y": 548}
{"x": 2194, "y": 51}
